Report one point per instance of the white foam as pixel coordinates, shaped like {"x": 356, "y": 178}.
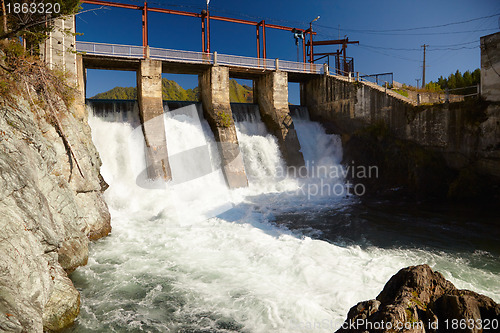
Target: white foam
{"x": 199, "y": 255}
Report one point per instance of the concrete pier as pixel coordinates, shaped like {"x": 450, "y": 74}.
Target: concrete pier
{"x": 81, "y": 83}
{"x": 214, "y": 92}
{"x": 272, "y": 97}
{"x": 149, "y": 95}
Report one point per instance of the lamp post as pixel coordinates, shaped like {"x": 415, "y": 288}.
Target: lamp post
{"x": 311, "y": 58}
{"x": 208, "y": 28}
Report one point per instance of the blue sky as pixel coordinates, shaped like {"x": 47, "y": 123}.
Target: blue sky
{"x": 390, "y": 33}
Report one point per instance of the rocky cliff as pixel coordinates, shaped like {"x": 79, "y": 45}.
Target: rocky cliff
{"x": 51, "y": 201}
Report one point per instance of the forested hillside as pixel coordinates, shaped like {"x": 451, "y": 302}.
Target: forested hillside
{"x": 172, "y": 91}
{"x": 457, "y": 81}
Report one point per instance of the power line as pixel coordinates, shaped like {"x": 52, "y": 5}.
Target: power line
{"x": 417, "y": 34}
{"x": 427, "y": 27}
{"x": 429, "y": 47}
{"x": 389, "y": 55}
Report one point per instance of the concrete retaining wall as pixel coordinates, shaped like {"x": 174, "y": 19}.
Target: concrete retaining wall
{"x": 466, "y": 133}
{"x": 490, "y": 67}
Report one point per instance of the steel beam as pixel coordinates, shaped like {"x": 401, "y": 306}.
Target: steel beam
{"x": 208, "y": 31}
{"x": 332, "y": 42}
{"x": 203, "y": 47}
{"x": 111, "y": 4}
{"x": 205, "y": 27}
{"x": 145, "y": 29}
{"x": 258, "y": 41}
{"x": 175, "y": 12}
{"x": 264, "y": 39}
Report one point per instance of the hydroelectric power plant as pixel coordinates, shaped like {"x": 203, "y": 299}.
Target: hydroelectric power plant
{"x": 359, "y": 209}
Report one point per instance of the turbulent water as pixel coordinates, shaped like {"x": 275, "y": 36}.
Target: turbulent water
{"x": 194, "y": 256}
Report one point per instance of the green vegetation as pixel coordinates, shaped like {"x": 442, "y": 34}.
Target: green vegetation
{"x": 33, "y": 20}
{"x": 433, "y": 87}
{"x": 240, "y": 93}
{"x": 172, "y": 91}
{"x": 18, "y": 69}
{"x": 457, "y": 80}
{"x": 401, "y": 92}
{"x": 118, "y": 93}
{"x": 225, "y": 119}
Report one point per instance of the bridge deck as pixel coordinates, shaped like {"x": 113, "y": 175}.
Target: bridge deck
{"x": 127, "y": 57}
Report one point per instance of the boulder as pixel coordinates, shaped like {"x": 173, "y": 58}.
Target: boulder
{"x": 418, "y": 299}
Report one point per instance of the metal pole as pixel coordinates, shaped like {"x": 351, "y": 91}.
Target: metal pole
{"x": 208, "y": 30}
{"x": 311, "y": 54}
{"x": 258, "y": 41}
{"x": 203, "y": 33}
{"x": 423, "y": 68}
{"x": 304, "y": 49}
{"x": 145, "y": 28}
{"x": 344, "y": 47}
{"x": 264, "y": 39}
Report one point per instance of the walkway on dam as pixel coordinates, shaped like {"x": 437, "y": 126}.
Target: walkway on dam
{"x": 127, "y": 57}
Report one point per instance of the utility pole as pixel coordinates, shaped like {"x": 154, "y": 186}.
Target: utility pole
{"x": 423, "y": 67}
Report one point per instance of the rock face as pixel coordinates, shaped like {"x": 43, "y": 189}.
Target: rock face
{"x": 417, "y": 299}
{"x": 50, "y": 205}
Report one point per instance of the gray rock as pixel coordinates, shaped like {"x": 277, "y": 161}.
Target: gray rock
{"x": 48, "y": 212}
{"x": 417, "y": 299}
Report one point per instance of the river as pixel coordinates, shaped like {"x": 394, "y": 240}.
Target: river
{"x": 283, "y": 255}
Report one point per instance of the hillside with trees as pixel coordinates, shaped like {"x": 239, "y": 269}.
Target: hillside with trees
{"x": 29, "y": 21}
{"x": 456, "y": 81}
{"x": 172, "y": 91}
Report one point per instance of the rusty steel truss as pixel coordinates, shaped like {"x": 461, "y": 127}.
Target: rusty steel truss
{"x": 205, "y": 30}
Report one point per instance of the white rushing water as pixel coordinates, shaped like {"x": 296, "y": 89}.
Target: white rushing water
{"x": 195, "y": 256}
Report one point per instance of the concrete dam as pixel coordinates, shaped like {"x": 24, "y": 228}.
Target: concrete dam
{"x": 127, "y": 111}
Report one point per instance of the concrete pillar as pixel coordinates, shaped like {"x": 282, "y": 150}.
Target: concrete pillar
{"x": 81, "y": 80}
{"x": 490, "y": 67}
{"x": 59, "y": 50}
{"x": 214, "y": 92}
{"x": 149, "y": 95}
{"x": 272, "y": 97}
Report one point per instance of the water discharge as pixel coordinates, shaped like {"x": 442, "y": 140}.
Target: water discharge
{"x": 197, "y": 257}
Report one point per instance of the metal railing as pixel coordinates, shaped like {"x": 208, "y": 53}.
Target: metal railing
{"x": 300, "y": 67}
{"x": 138, "y": 52}
{"x": 180, "y": 56}
{"x": 127, "y": 51}
{"x": 245, "y": 62}
{"x": 470, "y": 91}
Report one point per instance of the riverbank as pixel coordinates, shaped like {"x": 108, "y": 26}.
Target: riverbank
{"x": 51, "y": 202}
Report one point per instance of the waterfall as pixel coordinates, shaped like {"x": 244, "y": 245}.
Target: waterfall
{"x": 196, "y": 256}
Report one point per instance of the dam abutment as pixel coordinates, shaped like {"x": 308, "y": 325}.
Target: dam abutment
{"x": 465, "y": 134}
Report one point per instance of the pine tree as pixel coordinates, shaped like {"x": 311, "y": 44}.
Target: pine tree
{"x": 32, "y": 20}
